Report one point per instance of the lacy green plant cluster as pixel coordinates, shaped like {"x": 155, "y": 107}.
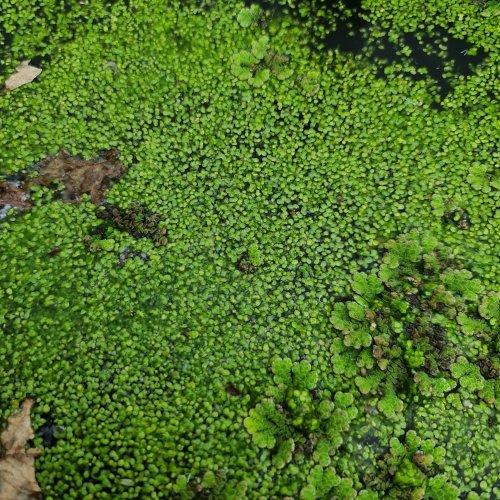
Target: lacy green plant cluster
{"x": 417, "y": 328}
{"x": 420, "y": 319}
{"x": 293, "y": 289}
{"x": 303, "y": 424}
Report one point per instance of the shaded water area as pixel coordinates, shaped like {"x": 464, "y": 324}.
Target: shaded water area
{"x": 435, "y": 52}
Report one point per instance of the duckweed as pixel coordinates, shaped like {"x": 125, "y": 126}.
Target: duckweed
{"x": 293, "y": 289}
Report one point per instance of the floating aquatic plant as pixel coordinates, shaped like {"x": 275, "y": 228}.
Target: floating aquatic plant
{"x": 259, "y": 63}
{"x": 419, "y": 315}
{"x": 147, "y": 358}
{"x": 249, "y": 16}
{"x": 297, "y": 416}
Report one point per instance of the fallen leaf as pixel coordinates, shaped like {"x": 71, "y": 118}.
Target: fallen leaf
{"x": 17, "y": 464}
{"x": 13, "y": 196}
{"x": 79, "y": 176}
{"x": 25, "y": 73}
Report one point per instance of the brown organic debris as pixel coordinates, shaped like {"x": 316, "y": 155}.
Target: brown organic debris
{"x": 136, "y": 219}
{"x": 489, "y": 369}
{"x": 25, "y": 73}
{"x": 13, "y": 196}
{"x": 17, "y": 464}
{"x": 245, "y": 265}
{"x": 129, "y": 254}
{"x": 55, "y": 251}
{"x": 232, "y": 390}
{"x": 79, "y": 176}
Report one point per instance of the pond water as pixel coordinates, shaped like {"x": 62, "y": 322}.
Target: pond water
{"x": 292, "y": 292}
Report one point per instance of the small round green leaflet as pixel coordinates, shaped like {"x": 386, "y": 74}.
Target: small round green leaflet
{"x": 242, "y": 64}
{"x": 260, "y": 77}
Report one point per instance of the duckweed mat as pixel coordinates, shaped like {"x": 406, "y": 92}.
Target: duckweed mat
{"x": 292, "y": 290}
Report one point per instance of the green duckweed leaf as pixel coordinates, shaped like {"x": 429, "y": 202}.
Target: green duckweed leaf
{"x": 282, "y": 369}
{"x": 356, "y": 311}
{"x": 358, "y": 338}
{"x": 390, "y": 404}
{"x": 409, "y": 475}
{"x": 467, "y": 374}
{"x": 367, "y": 285}
{"x": 284, "y": 453}
{"x": 261, "y": 76}
{"x": 242, "y": 64}
{"x": 490, "y": 308}
{"x": 440, "y": 489}
{"x": 303, "y": 375}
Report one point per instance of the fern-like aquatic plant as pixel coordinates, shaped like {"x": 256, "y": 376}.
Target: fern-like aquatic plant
{"x": 249, "y": 16}
{"x": 296, "y": 415}
{"x": 420, "y": 315}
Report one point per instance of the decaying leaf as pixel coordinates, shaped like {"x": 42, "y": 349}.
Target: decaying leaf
{"x": 25, "y": 73}
{"x": 79, "y": 176}
{"x": 13, "y": 196}
{"x": 17, "y": 464}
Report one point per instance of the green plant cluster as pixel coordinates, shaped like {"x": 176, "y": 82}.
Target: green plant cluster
{"x": 303, "y": 426}
{"x": 418, "y": 319}
{"x": 260, "y": 62}
{"x": 149, "y": 366}
{"x": 414, "y": 468}
{"x": 251, "y": 260}
{"x": 40, "y": 28}
{"x": 442, "y": 420}
{"x": 298, "y": 414}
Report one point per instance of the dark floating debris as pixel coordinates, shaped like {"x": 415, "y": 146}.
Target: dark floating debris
{"x": 232, "y": 390}
{"x": 245, "y": 265}
{"x": 129, "y": 254}
{"x": 136, "y": 219}
{"x": 13, "y": 196}
{"x": 77, "y": 177}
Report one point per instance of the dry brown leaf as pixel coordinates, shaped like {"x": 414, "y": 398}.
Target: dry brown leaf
{"x": 13, "y": 196}
{"x": 25, "y": 73}
{"x": 79, "y": 176}
{"x": 17, "y": 464}
{"x": 76, "y": 175}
